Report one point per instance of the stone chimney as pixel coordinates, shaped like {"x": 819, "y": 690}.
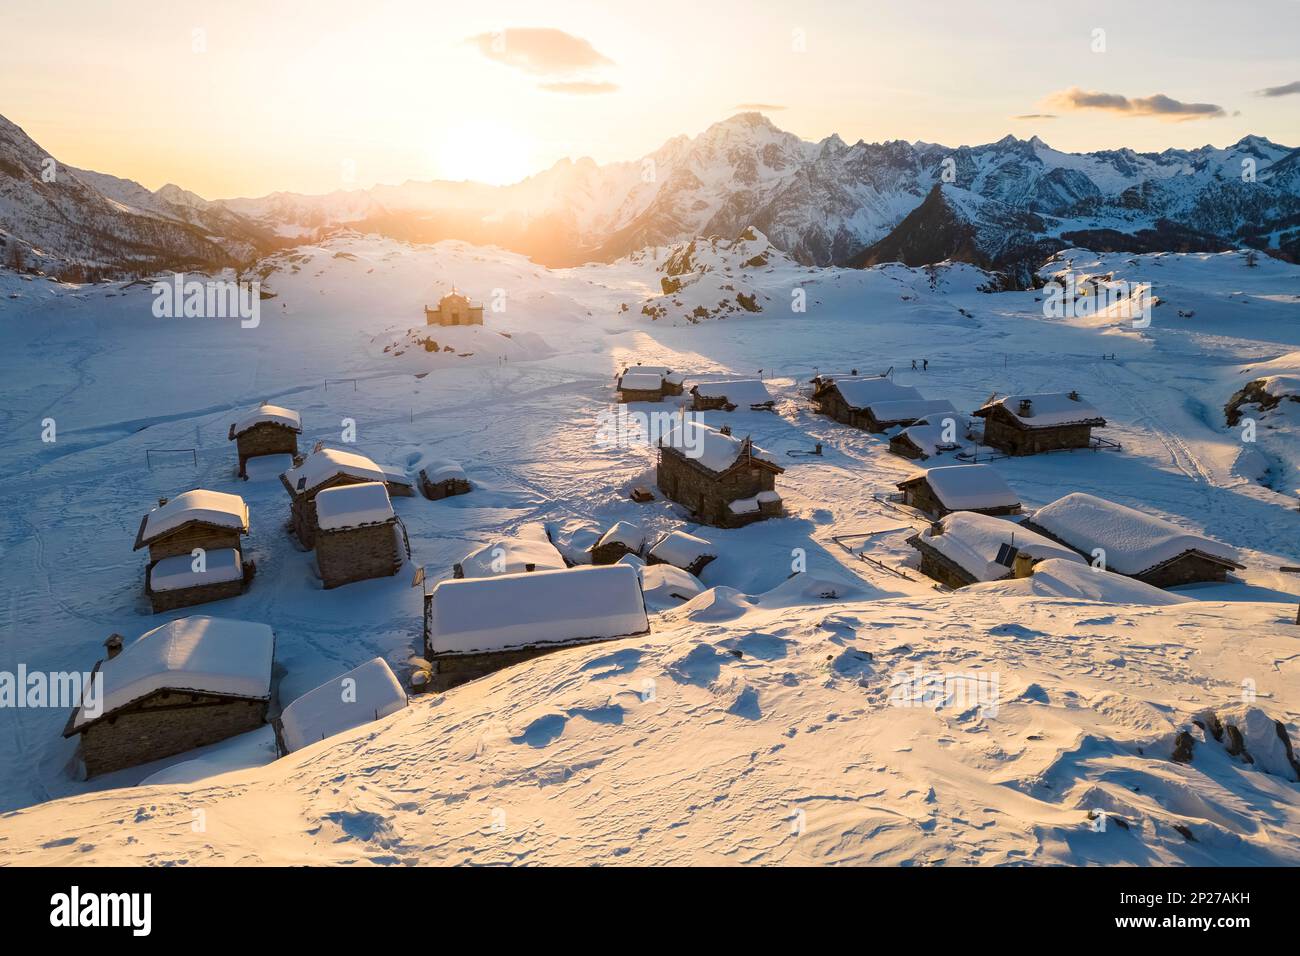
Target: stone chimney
{"x": 161, "y": 502}
{"x": 936, "y": 528}
{"x": 724, "y": 429}
{"x": 1026, "y": 408}
{"x": 113, "y": 645}
{"x": 1074, "y": 396}
{"x": 1024, "y": 566}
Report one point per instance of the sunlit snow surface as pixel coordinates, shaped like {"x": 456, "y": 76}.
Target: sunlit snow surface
{"x": 751, "y": 724}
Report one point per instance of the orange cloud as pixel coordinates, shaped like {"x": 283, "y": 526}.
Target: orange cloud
{"x": 542, "y": 51}
{"x": 1158, "y": 105}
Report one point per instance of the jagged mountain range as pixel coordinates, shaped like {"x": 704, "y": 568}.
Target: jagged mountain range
{"x": 1003, "y": 206}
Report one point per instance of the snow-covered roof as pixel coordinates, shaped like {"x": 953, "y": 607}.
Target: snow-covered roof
{"x": 962, "y": 487}
{"x": 319, "y": 467}
{"x": 708, "y": 446}
{"x": 206, "y": 507}
{"x": 353, "y": 506}
{"x": 742, "y": 393}
{"x": 513, "y": 555}
{"x": 625, "y": 533}
{"x": 1048, "y": 410}
{"x": 520, "y": 610}
{"x": 666, "y": 586}
{"x": 177, "y": 572}
{"x": 267, "y": 414}
{"x": 928, "y": 438}
{"x": 659, "y": 371}
{"x": 641, "y": 381}
{"x": 682, "y": 550}
{"x": 363, "y": 694}
{"x": 861, "y": 392}
{"x": 747, "y": 506}
{"x": 1133, "y": 540}
{"x": 203, "y": 654}
{"x": 1074, "y": 579}
{"x": 972, "y": 542}
{"x": 443, "y": 469}
{"x": 910, "y": 409}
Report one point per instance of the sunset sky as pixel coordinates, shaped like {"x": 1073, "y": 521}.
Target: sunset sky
{"x": 245, "y": 97}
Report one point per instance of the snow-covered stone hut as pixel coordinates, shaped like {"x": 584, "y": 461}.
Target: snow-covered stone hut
{"x": 846, "y": 399}
{"x": 267, "y": 430}
{"x": 362, "y": 695}
{"x": 965, "y": 547}
{"x": 1133, "y": 543}
{"x": 357, "y": 534}
{"x": 928, "y": 437}
{"x": 941, "y": 491}
{"x": 682, "y": 550}
{"x": 195, "y": 555}
{"x": 186, "y": 684}
{"x": 474, "y": 626}
{"x": 728, "y": 396}
{"x": 621, "y": 539}
{"x": 443, "y": 479}
{"x": 330, "y": 468}
{"x": 882, "y": 416}
{"x": 1029, "y": 424}
{"x": 648, "y": 383}
{"x": 723, "y": 480}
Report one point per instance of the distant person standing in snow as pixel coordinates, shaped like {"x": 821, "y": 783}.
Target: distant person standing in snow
{"x": 925, "y": 365}
{"x": 913, "y": 365}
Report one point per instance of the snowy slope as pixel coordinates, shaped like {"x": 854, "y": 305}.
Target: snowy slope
{"x": 53, "y": 216}
{"x": 747, "y": 721}
{"x": 833, "y": 733}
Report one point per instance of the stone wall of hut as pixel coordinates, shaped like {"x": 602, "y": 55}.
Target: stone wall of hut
{"x": 922, "y": 497}
{"x": 830, "y": 402}
{"x": 718, "y": 403}
{"x": 938, "y": 567}
{"x": 164, "y": 724}
{"x": 266, "y": 438}
{"x": 626, "y": 395}
{"x": 184, "y": 540}
{"x": 188, "y": 597}
{"x": 609, "y": 553}
{"x": 436, "y": 491}
{"x": 904, "y": 446}
{"x": 1013, "y": 439}
{"x": 1190, "y": 568}
{"x": 452, "y": 670}
{"x": 356, "y": 554}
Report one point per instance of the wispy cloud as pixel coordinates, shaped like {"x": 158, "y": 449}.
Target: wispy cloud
{"x": 579, "y": 87}
{"x": 541, "y": 51}
{"x": 759, "y": 107}
{"x": 1284, "y": 90}
{"x": 1033, "y": 116}
{"x": 1158, "y": 105}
